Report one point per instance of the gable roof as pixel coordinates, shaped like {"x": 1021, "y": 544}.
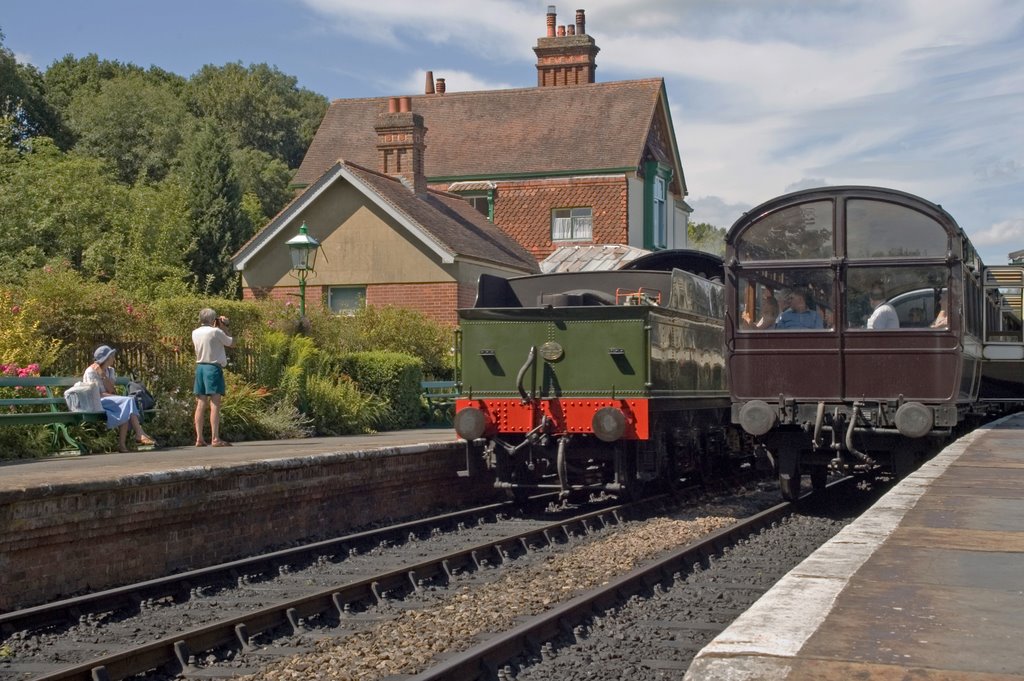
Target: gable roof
{"x": 445, "y": 223}
{"x": 503, "y": 133}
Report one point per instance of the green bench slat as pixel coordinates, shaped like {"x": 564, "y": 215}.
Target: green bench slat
{"x": 48, "y": 417}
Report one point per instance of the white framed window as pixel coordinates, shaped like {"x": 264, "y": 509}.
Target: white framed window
{"x": 659, "y": 214}
{"x": 346, "y": 299}
{"x": 480, "y": 203}
{"x": 572, "y": 224}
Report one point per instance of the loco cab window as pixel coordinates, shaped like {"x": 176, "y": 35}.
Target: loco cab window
{"x": 786, "y": 300}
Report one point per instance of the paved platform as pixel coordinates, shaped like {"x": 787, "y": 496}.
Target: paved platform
{"x": 927, "y": 585}
{"x": 21, "y": 475}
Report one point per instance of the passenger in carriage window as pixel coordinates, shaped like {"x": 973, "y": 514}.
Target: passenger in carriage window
{"x": 916, "y": 316}
{"x": 941, "y": 319}
{"x": 797, "y": 315}
{"x": 828, "y": 317}
{"x": 884, "y": 315}
{"x": 769, "y": 313}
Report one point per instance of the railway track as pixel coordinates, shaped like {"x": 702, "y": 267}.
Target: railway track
{"x": 244, "y": 621}
{"x": 194, "y": 596}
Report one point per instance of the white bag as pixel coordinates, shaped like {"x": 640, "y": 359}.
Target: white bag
{"x": 83, "y": 397}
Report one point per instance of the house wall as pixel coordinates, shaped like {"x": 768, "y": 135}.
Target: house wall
{"x": 523, "y": 209}
{"x": 363, "y": 245}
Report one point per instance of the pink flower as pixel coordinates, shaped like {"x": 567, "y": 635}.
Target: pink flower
{"x": 41, "y": 390}
{"x": 33, "y": 367}
{"x": 130, "y": 310}
{"x": 15, "y": 309}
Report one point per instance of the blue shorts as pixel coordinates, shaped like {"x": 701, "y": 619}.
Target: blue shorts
{"x": 209, "y": 380}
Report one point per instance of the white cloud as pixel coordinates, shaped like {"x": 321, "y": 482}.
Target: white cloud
{"x": 23, "y": 58}
{"x": 1008, "y": 233}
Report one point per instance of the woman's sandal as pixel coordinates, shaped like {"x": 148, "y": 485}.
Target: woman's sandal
{"x": 220, "y": 443}
{"x": 123, "y": 450}
{"x": 146, "y": 440}
{"x": 200, "y": 443}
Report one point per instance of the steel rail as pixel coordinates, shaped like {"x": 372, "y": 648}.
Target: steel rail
{"x": 237, "y": 631}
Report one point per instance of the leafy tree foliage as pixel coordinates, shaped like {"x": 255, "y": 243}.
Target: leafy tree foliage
{"x": 702, "y": 236}
{"x": 134, "y": 124}
{"x": 260, "y": 107}
{"x": 24, "y": 111}
{"x": 218, "y": 224}
{"x": 264, "y": 178}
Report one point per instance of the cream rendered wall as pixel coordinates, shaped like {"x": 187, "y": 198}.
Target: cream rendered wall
{"x": 363, "y": 245}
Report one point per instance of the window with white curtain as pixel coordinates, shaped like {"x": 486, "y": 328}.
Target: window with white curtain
{"x": 572, "y": 224}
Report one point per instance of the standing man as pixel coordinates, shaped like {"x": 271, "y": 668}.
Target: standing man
{"x": 210, "y": 340}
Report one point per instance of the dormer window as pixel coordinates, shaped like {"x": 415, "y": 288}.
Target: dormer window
{"x": 572, "y": 224}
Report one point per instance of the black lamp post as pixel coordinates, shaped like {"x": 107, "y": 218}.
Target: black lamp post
{"x": 303, "y": 250}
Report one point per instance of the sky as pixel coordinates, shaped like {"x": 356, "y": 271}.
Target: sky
{"x": 767, "y": 96}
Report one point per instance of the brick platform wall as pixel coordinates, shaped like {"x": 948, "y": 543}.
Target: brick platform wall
{"x": 62, "y": 540}
{"x": 523, "y": 209}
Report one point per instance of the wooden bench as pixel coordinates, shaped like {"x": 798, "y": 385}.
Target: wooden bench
{"x": 440, "y": 398}
{"x": 57, "y": 415}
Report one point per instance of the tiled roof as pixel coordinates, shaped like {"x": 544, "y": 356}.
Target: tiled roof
{"x": 590, "y": 258}
{"x": 501, "y": 133}
{"x": 447, "y": 222}
{"x": 451, "y": 220}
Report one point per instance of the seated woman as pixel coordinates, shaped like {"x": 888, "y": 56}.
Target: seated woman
{"x": 769, "y": 314}
{"x": 121, "y": 409}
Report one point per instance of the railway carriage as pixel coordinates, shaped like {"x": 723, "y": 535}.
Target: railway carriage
{"x": 891, "y": 333}
{"x": 596, "y": 382}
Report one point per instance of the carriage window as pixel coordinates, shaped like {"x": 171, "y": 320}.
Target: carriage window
{"x": 876, "y": 229}
{"x": 786, "y": 300}
{"x": 802, "y": 232}
{"x": 881, "y": 298}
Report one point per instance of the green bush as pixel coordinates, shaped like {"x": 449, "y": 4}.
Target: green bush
{"x": 248, "y": 413}
{"x": 392, "y": 376}
{"x": 338, "y": 407}
{"x": 387, "y": 329}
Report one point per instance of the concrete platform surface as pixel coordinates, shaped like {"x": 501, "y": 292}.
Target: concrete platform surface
{"x": 20, "y": 475}
{"x": 928, "y": 585}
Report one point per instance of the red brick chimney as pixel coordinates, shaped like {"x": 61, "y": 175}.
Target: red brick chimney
{"x": 565, "y": 57}
{"x": 441, "y": 87}
{"x": 400, "y": 143}
{"x": 428, "y": 88}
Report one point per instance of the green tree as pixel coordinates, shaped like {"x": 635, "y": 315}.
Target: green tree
{"x": 259, "y": 107}
{"x": 135, "y": 124}
{"x": 264, "y": 178}
{"x": 218, "y": 224}
{"x": 702, "y": 236}
{"x": 24, "y": 112}
{"x": 56, "y": 206}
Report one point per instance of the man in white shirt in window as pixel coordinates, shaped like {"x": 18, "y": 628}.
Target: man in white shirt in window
{"x": 884, "y": 315}
{"x": 211, "y": 358}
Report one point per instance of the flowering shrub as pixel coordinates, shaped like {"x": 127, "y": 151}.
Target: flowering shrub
{"x": 21, "y": 339}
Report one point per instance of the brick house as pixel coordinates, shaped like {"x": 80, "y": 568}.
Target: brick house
{"x": 568, "y": 162}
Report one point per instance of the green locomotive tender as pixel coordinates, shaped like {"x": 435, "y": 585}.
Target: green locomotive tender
{"x": 594, "y": 382}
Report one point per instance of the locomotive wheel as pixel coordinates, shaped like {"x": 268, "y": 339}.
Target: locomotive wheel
{"x": 789, "y": 485}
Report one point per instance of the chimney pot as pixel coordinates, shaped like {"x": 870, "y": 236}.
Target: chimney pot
{"x": 551, "y": 21}
{"x": 561, "y": 31}
{"x": 440, "y": 86}
{"x": 393, "y": 105}
{"x": 405, "y": 104}
{"x": 581, "y": 22}
{"x": 570, "y": 30}
{"x": 429, "y": 87}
